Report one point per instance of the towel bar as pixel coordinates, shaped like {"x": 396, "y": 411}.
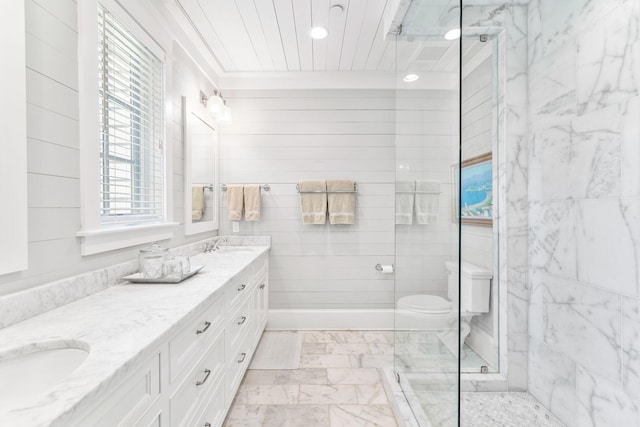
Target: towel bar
{"x": 207, "y": 186}
{"x": 355, "y": 190}
{"x": 264, "y": 187}
{"x": 418, "y": 192}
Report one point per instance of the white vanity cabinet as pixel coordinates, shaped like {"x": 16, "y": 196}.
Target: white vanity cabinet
{"x": 261, "y": 294}
{"x": 192, "y": 378}
{"x": 129, "y": 401}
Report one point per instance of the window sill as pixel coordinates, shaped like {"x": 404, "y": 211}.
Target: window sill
{"x": 109, "y": 239}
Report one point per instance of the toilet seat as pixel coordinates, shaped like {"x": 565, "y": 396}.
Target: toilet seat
{"x": 428, "y": 304}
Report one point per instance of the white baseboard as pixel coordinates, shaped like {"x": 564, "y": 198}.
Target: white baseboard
{"x": 331, "y": 319}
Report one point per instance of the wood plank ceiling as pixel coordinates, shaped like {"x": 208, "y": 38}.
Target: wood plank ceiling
{"x": 273, "y": 35}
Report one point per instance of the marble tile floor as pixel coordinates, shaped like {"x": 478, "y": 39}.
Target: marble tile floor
{"x": 338, "y": 384}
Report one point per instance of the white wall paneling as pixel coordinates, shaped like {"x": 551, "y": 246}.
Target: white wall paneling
{"x": 282, "y": 137}
{"x": 51, "y": 151}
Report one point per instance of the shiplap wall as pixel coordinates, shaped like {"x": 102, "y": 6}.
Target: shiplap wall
{"x": 53, "y": 163}
{"x": 282, "y": 137}
{"x": 477, "y": 242}
{"x": 426, "y": 146}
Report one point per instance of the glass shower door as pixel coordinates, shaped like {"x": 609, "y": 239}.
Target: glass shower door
{"x": 427, "y": 147}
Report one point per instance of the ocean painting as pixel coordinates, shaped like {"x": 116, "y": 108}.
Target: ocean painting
{"x": 476, "y": 203}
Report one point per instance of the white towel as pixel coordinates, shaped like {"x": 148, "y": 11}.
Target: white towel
{"x": 235, "y": 201}
{"x": 252, "y": 202}
{"x": 404, "y": 201}
{"x": 197, "y": 202}
{"x": 427, "y": 201}
{"x": 342, "y": 205}
{"x": 313, "y": 201}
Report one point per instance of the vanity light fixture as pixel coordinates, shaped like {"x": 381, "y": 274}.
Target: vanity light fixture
{"x": 410, "y": 78}
{"x": 216, "y": 105}
{"x": 453, "y": 34}
{"x": 226, "y": 113}
{"x": 319, "y": 33}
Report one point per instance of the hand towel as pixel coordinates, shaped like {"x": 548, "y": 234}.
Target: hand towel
{"x": 252, "y": 202}
{"x": 427, "y": 201}
{"x": 342, "y": 206}
{"x": 197, "y": 202}
{"x": 313, "y": 201}
{"x": 235, "y": 199}
{"x": 404, "y": 201}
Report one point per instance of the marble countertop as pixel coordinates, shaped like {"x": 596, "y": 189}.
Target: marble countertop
{"x": 122, "y": 325}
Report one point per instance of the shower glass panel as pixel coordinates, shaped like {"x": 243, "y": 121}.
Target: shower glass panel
{"x": 479, "y": 249}
{"x": 427, "y": 323}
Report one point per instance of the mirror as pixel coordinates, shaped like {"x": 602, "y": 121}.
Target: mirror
{"x": 200, "y": 170}
{"x": 13, "y": 138}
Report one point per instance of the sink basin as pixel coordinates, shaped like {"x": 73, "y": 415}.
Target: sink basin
{"x": 233, "y": 250}
{"x": 31, "y": 371}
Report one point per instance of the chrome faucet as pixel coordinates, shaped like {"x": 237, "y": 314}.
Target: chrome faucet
{"x": 214, "y": 244}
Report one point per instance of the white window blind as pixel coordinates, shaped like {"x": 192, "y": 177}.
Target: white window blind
{"x": 131, "y": 102}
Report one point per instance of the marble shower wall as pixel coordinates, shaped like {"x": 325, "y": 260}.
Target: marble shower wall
{"x": 584, "y": 210}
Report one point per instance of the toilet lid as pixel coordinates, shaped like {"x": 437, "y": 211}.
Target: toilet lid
{"x": 425, "y": 303}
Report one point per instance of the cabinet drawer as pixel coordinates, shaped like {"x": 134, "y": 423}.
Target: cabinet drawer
{"x": 195, "y": 338}
{"x": 130, "y": 398}
{"x": 214, "y": 407}
{"x": 239, "y": 326}
{"x": 153, "y": 418}
{"x": 197, "y": 383}
{"x": 237, "y": 365}
{"x": 239, "y": 289}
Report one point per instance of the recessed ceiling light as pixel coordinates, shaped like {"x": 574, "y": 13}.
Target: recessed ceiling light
{"x": 336, "y": 10}
{"x": 411, "y": 78}
{"x": 453, "y": 34}
{"x": 319, "y": 33}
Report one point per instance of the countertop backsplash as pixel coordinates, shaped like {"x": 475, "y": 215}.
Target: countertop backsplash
{"x": 22, "y": 305}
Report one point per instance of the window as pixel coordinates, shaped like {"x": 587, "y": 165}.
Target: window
{"x": 124, "y": 82}
{"x": 130, "y": 88}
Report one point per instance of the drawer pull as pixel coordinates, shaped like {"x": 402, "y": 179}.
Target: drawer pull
{"x": 203, "y": 330}
{"x": 262, "y": 286}
{"x": 244, "y": 355}
{"x": 242, "y": 320}
{"x": 242, "y": 287}
{"x": 207, "y": 424}
{"x": 207, "y": 372}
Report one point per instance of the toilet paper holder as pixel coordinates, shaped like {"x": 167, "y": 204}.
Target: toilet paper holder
{"x": 385, "y": 268}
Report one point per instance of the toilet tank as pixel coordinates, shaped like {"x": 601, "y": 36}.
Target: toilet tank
{"x": 475, "y": 287}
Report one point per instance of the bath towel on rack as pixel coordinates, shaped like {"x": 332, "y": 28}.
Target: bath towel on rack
{"x": 404, "y": 201}
{"x": 313, "y": 201}
{"x": 341, "y": 201}
{"x": 427, "y": 201}
{"x": 252, "y": 203}
{"x": 197, "y": 202}
{"x": 235, "y": 201}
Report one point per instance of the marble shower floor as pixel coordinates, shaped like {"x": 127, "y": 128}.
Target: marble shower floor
{"x": 338, "y": 384}
{"x": 505, "y": 410}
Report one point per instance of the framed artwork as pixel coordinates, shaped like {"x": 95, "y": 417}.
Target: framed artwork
{"x": 476, "y": 201}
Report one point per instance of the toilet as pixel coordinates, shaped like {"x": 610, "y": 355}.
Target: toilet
{"x": 433, "y": 313}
